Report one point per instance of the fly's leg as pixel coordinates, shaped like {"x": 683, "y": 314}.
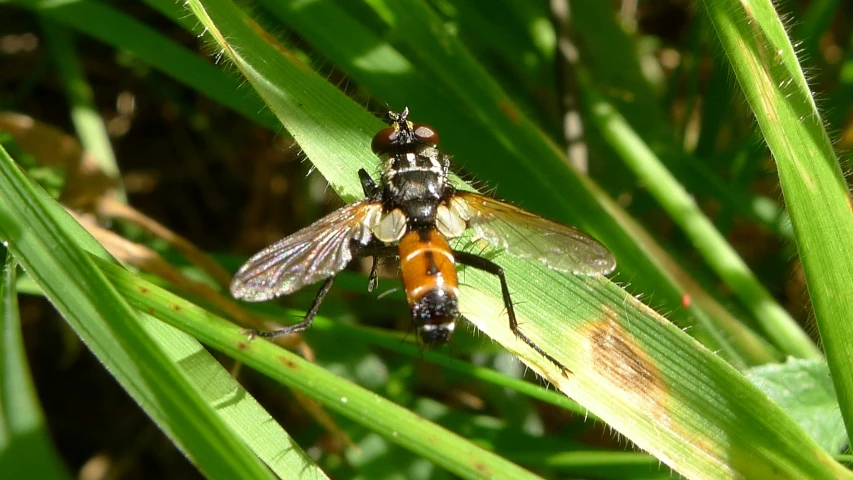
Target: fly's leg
{"x": 306, "y": 322}
{"x": 367, "y": 251}
{"x": 488, "y": 266}
{"x": 377, "y": 251}
{"x": 371, "y": 190}
{"x": 373, "y": 278}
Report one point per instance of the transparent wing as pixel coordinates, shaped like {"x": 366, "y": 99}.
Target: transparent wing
{"x": 525, "y": 235}
{"x": 314, "y": 253}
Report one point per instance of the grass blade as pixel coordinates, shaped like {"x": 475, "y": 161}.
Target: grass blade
{"x": 86, "y": 118}
{"x": 25, "y": 445}
{"x": 111, "y": 329}
{"x": 777, "y": 323}
{"x": 813, "y": 184}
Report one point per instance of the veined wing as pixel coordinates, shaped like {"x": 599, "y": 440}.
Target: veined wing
{"x": 314, "y": 253}
{"x": 525, "y": 235}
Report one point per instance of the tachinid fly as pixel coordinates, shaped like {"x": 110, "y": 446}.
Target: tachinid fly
{"x": 411, "y": 214}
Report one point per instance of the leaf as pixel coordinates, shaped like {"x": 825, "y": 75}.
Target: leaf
{"x": 815, "y": 190}
{"x": 803, "y": 388}
{"x": 49, "y": 244}
{"x": 25, "y": 446}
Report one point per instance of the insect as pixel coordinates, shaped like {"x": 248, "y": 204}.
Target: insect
{"x": 412, "y": 213}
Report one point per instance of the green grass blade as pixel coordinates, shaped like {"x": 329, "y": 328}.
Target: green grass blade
{"x": 394, "y": 343}
{"x": 395, "y": 423}
{"x": 636, "y": 371}
{"x": 86, "y": 118}
{"x": 813, "y": 185}
{"x": 243, "y": 413}
{"x": 239, "y": 410}
{"x": 25, "y": 446}
{"x": 775, "y": 320}
{"x": 112, "y": 330}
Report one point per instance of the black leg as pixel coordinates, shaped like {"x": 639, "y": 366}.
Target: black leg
{"x": 375, "y": 250}
{"x": 306, "y": 322}
{"x": 488, "y": 266}
{"x": 372, "y": 279}
{"x": 371, "y": 190}
{"x": 366, "y": 251}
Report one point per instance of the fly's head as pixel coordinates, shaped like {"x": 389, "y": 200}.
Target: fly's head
{"x": 402, "y": 143}
{"x": 404, "y": 136}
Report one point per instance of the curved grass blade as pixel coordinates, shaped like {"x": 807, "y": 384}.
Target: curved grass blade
{"x": 112, "y": 330}
{"x": 25, "y": 445}
{"x": 815, "y": 190}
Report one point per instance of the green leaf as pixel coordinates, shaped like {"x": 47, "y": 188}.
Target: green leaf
{"x": 37, "y": 232}
{"x": 815, "y": 190}
{"x": 803, "y": 388}
{"x": 25, "y": 446}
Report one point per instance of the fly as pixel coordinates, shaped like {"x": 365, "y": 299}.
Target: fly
{"x": 411, "y": 214}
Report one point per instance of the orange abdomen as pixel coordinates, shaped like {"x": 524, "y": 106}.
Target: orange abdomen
{"x": 427, "y": 265}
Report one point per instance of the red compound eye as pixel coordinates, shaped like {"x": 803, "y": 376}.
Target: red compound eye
{"x": 384, "y": 140}
{"x": 426, "y": 134}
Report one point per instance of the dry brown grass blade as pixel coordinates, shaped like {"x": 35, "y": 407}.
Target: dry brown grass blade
{"x": 110, "y": 208}
{"x": 88, "y": 189}
{"x": 150, "y": 261}
{"x": 50, "y": 146}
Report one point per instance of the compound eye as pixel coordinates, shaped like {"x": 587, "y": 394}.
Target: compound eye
{"x": 384, "y": 140}
{"x": 426, "y": 134}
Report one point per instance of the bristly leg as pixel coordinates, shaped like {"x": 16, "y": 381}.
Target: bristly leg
{"x": 371, "y": 190}
{"x": 488, "y": 266}
{"x": 373, "y": 278}
{"x": 370, "y": 250}
{"x": 305, "y": 323}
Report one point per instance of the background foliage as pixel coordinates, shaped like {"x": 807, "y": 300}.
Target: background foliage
{"x": 185, "y": 137}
